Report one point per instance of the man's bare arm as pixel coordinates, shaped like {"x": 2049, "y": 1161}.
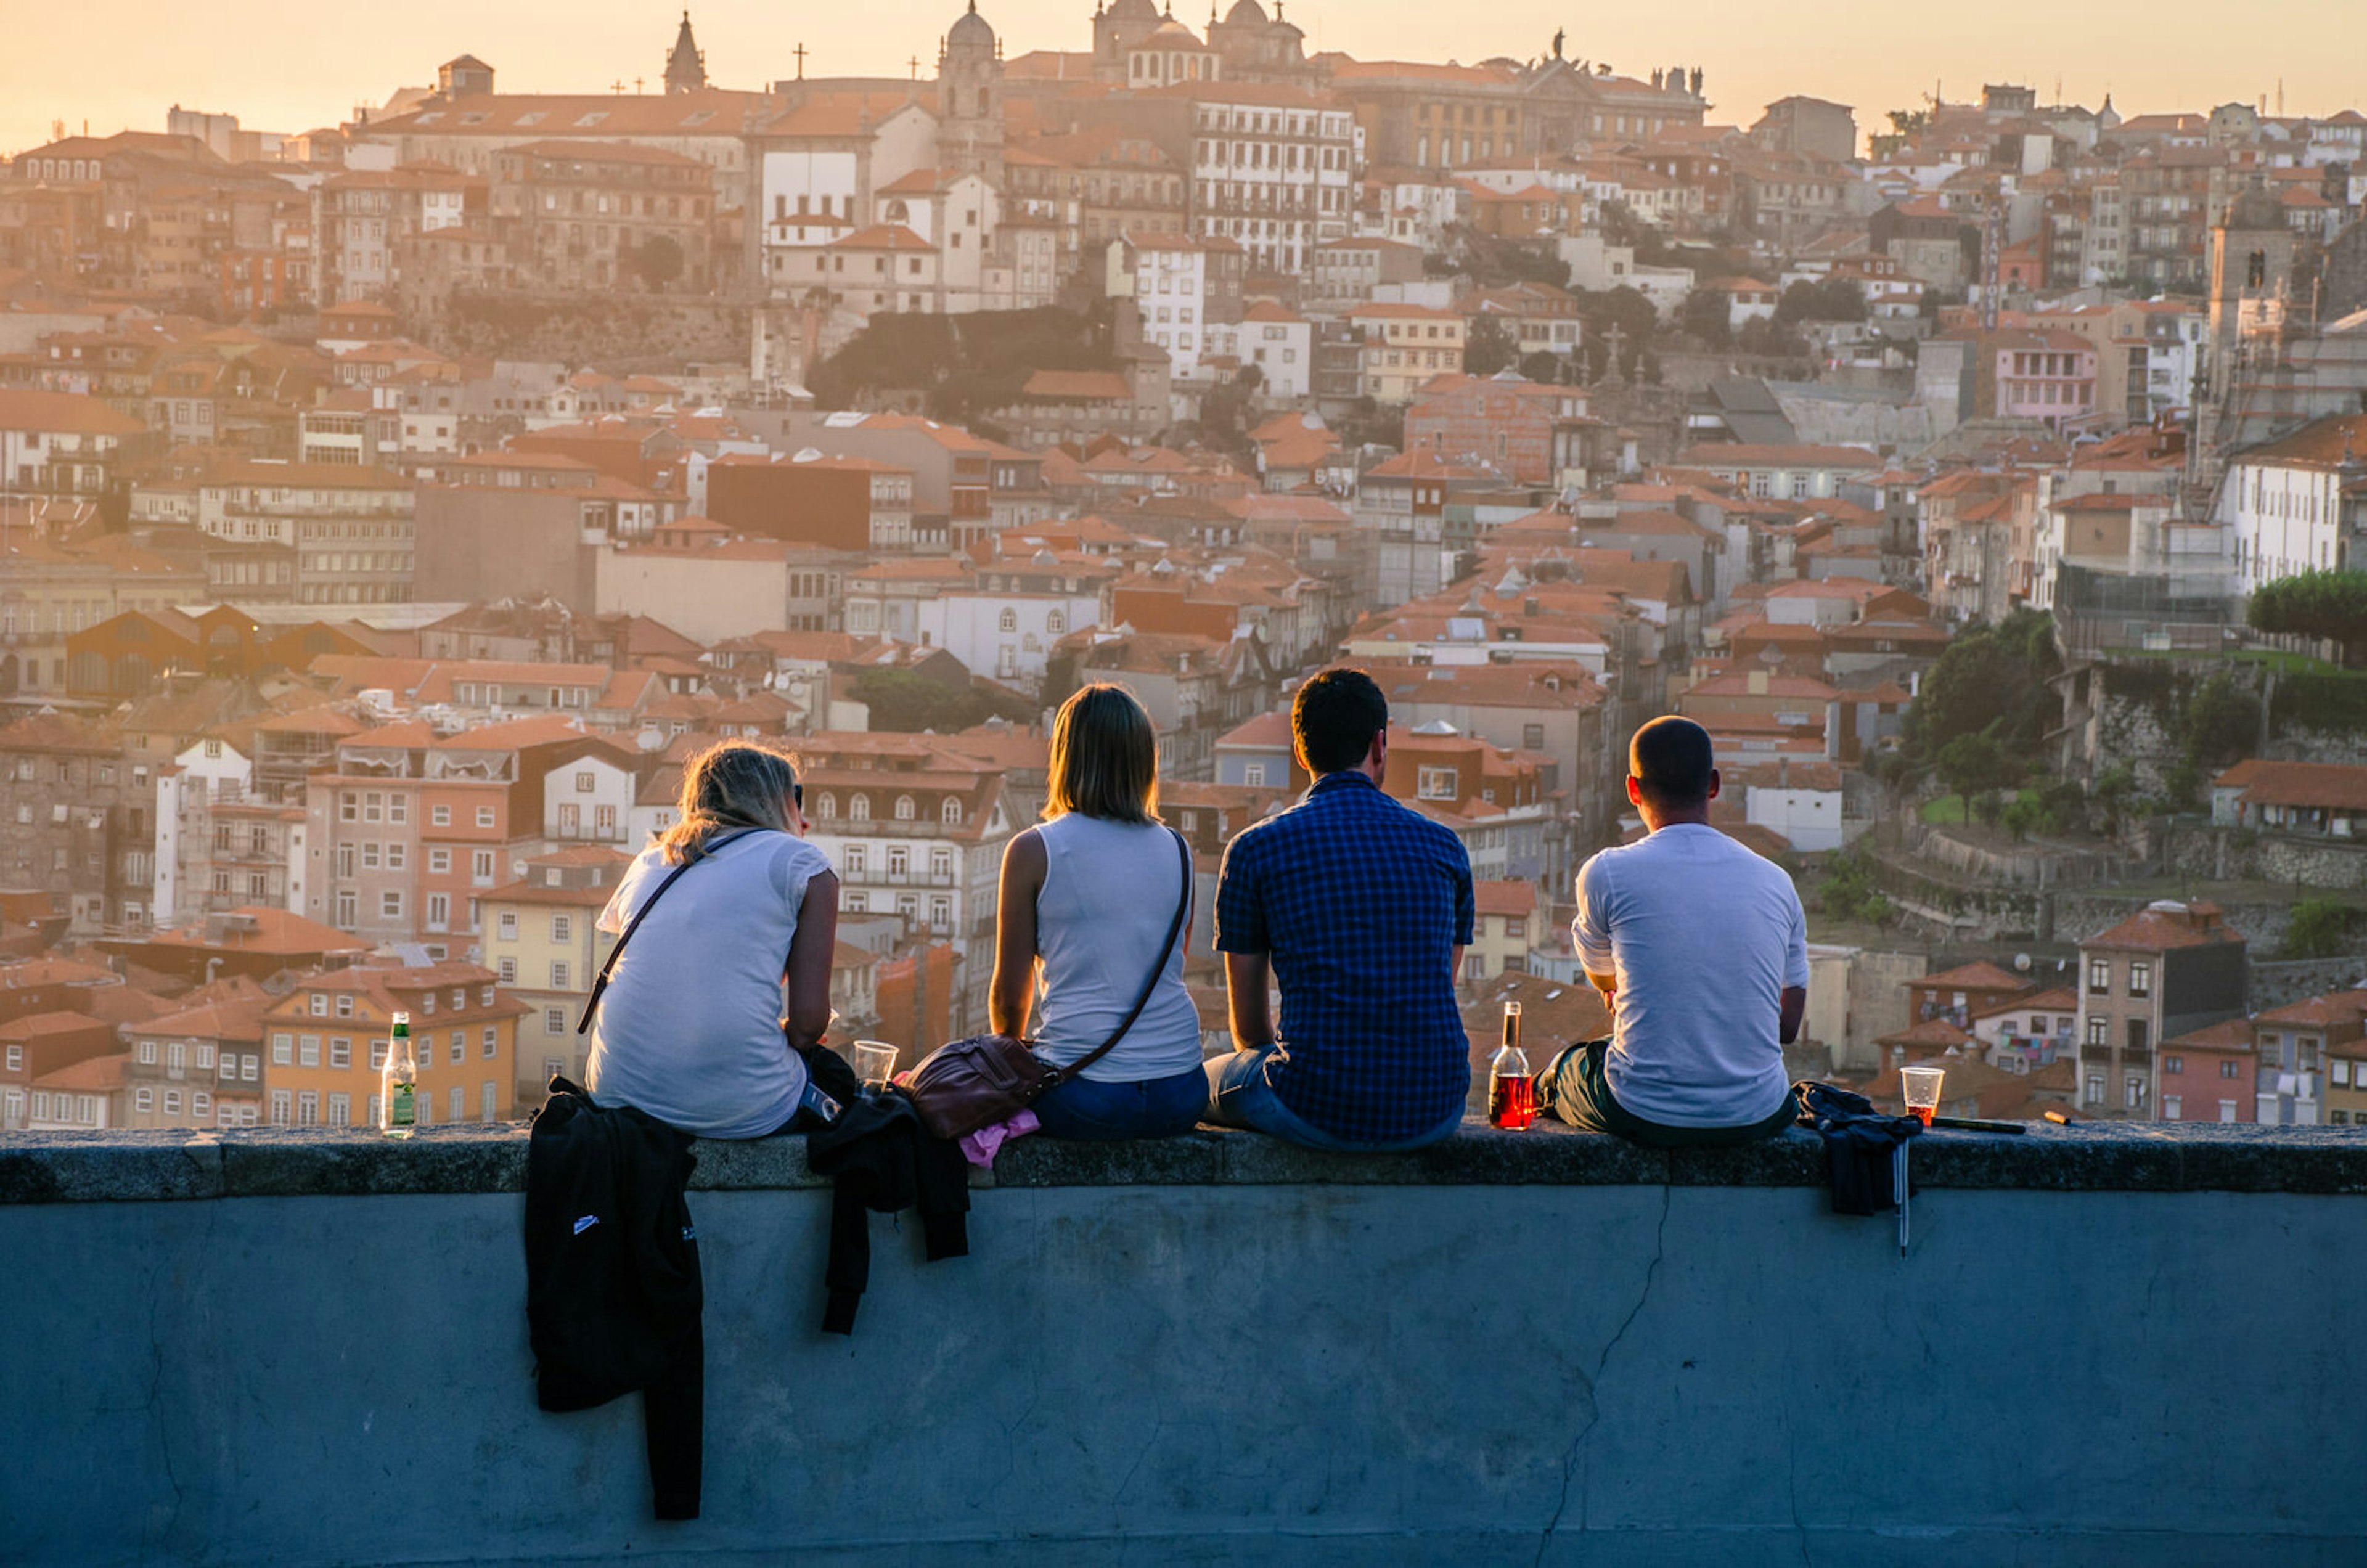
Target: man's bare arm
{"x": 1607, "y": 984}
{"x": 1795, "y": 1008}
{"x": 1245, "y": 1007}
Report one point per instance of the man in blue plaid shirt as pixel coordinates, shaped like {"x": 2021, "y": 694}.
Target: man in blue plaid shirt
{"x": 1360, "y": 907}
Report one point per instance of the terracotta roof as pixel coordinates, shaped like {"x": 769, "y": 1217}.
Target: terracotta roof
{"x": 2166, "y": 927}
{"x": 1980, "y": 976}
{"x": 2334, "y": 786}
{"x": 61, "y": 413}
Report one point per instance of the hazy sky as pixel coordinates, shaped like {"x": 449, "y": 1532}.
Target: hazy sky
{"x": 119, "y": 64}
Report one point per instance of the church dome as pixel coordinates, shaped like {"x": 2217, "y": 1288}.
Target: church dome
{"x": 970, "y": 28}
{"x": 1133, "y": 11}
{"x": 1245, "y": 14}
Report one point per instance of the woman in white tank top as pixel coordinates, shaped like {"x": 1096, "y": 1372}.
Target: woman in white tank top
{"x": 1087, "y": 900}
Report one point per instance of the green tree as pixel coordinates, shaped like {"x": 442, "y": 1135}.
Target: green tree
{"x": 907, "y": 702}
{"x": 2324, "y": 604}
{"x": 1490, "y": 347}
{"x": 1545, "y": 367}
{"x": 2320, "y": 928}
{"x": 2219, "y": 726}
{"x": 657, "y": 261}
{"x": 1988, "y": 675}
{"x": 1827, "y": 300}
{"x": 1705, "y": 318}
{"x": 1975, "y": 765}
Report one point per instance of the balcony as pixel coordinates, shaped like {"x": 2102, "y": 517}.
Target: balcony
{"x": 1351, "y": 1360}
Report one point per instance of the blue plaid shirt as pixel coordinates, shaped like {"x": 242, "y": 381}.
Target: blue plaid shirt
{"x": 1360, "y": 902}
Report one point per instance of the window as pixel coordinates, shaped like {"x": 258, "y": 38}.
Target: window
{"x": 480, "y": 868}
{"x": 2339, "y": 1070}
{"x": 2094, "y": 1092}
{"x": 389, "y": 903}
{"x": 1253, "y": 773}
{"x": 906, "y": 808}
{"x": 459, "y": 1099}
{"x": 341, "y": 1111}
{"x": 554, "y": 1022}
{"x": 308, "y": 1050}
{"x": 2229, "y": 1069}
{"x": 144, "y": 1099}
{"x": 341, "y": 1051}
{"x": 2100, "y": 977}
{"x": 2140, "y": 979}
{"x": 2227, "y": 1111}
{"x": 950, "y": 813}
{"x": 283, "y": 1050}
{"x": 439, "y": 815}
{"x": 459, "y": 1046}
{"x": 507, "y": 969}
{"x": 562, "y": 927}
{"x": 2133, "y": 1087}
{"x": 439, "y": 862}
{"x": 559, "y": 977}
{"x": 2170, "y": 1106}
{"x": 2099, "y": 1032}
{"x": 1435, "y": 783}
{"x": 484, "y": 817}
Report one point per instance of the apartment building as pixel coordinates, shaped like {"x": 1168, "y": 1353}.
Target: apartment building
{"x": 2173, "y": 968}
{"x": 411, "y": 828}
{"x": 916, "y": 830}
{"x": 542, "y": 939}
{"x": 1273, "y": 168}
{"x": 1406, "y": 347}
{"x": 326, "y": 1045}
{"x": 573, "y": 214}
{"x": 199, "y": 1064}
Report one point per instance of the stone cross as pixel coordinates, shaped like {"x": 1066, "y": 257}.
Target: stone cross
{"x": 800, "y": 53}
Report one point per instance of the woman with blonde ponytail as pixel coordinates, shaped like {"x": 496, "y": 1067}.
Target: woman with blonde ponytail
{"x": 713, "y": 1009}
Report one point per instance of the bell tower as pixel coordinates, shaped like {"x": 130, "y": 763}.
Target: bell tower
{"x": 970, "y": 99}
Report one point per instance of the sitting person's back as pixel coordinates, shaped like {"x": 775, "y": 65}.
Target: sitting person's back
{"x": 693, "y": 1026}
{"x": 1700, "y": 948}
{"x": 1360, "y": 908}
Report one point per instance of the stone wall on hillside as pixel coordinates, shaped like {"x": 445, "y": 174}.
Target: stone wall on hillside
{"x": 605, "y": 329}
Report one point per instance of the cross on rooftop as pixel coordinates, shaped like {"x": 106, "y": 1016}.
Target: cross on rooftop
{"x": 800, "y": 53}
{"x": 916, "y": 63}
{"x": 617, "y": 85}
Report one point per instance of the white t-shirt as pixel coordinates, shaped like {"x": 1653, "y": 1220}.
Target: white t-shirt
{"x": 689, "y": 1028}
{"x": 1109, "y": 896}
{"x": 1703, "y": 937}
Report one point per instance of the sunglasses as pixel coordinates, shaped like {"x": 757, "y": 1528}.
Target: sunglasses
{"x": 797, "y": 796}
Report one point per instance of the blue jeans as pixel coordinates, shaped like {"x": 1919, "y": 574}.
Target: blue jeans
{"x": 1239, "y": 1096}
{"x": 1157, "y": 1107}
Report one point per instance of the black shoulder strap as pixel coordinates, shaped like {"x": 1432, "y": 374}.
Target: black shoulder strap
{"x": 600, "y": 986}
{"x": 1175, "y": 929}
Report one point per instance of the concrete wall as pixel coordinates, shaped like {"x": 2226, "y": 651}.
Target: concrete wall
{"x": 1518, "y": 1347}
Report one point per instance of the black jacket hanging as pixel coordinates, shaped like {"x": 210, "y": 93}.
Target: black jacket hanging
{"x": 884, "y": 1159}
{"x": 613, "y": 1291}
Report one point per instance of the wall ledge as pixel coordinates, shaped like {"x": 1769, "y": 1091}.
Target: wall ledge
{"x": 165, "y": 1167}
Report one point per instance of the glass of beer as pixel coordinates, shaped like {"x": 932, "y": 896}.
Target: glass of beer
{"x": 1921, "y": 1085}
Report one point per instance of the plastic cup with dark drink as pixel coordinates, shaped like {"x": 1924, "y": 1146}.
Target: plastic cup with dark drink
{"x": 1921, "y": 1085}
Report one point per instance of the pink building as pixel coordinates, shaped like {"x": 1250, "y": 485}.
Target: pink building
{"x": 2048, "y": 375}
{"x": 2206, "y": 1073}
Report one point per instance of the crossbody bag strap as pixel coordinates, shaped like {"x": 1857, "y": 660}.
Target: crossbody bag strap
{"x": 1175, "y": 929}
{"x": 600, "y": 985}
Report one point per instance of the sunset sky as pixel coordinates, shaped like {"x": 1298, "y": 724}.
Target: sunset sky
{"x": 119, "y": 65}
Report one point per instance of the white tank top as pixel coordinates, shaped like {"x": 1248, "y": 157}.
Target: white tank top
{"x": 1110, "y": 890}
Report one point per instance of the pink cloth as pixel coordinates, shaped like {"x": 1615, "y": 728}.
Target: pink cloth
{"x": 979, "y": 1147}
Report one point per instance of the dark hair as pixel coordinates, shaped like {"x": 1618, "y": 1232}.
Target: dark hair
{"x": 1104, "y": 758}
{"x": 1669, "y": 760}
{"x": 1334, "y": 718}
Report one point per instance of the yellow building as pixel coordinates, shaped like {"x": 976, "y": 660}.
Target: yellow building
{"x": 324, "y": 1044}
{"x": 542, "y": 941}
{"x": 1405, "y": 347}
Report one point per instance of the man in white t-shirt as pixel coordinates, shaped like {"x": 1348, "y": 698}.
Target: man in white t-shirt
{"x": 1701, "y": 949}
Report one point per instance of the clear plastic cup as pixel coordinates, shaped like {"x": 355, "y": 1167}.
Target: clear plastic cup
{"x": 1921, "y": 1085}
{"x": 875, "y": 1063}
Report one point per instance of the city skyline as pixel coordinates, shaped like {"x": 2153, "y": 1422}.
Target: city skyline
{"x": 292, "y": 80}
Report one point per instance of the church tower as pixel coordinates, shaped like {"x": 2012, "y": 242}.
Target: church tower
{"x": 2251, "y": 276}
{"x": 970, "y": 99}
{"x": 685, "y": 69}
